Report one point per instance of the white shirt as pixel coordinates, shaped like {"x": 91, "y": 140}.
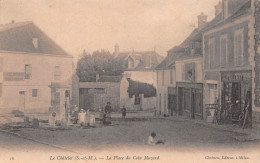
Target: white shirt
{"x": 151, "y": 140}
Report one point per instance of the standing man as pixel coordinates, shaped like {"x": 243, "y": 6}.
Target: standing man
{"x": 108, "y": 110}
{"x": 123, "y": 112}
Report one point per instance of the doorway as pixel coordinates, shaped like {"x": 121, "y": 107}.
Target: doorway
{"x": 172, "y": 103}
{"x": 22, "y": 101}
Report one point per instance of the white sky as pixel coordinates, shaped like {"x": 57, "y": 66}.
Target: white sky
{"x": 100, "y": 24}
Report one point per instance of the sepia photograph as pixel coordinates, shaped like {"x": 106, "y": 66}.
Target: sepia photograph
{"x": 129, "y": 81}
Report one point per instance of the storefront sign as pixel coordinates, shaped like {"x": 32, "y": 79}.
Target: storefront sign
{"x": 13, "y": 76}
{"x": 171, "y": 91}
{"x": 236, "y": 76}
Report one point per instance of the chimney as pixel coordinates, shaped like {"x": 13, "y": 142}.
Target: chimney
{"x": 97, "y": 77}
{"x": 202, "y": 20}
{"x": 116, "y": 52}
{"x": 218, "y": 8}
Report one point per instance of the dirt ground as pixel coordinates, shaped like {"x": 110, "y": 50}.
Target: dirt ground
{"x": 134, "y": 131}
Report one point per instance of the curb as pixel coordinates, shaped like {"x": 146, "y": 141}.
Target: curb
{"x": 37, "y": 141}
{"x": 248, "y": 136}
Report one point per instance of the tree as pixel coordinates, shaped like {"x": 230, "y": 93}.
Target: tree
{"x": 100, "y": 62}
{"x": 136, "y": 88}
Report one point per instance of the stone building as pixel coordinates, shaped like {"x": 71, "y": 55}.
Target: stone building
{"x": 35, "y": 73}
{"x": 229, "y": 56}
{"x": 180, "y": 77}
{"x": 140, "y": 65}
{"x": 95, "y": 95}
{"x": 255, "y": 49}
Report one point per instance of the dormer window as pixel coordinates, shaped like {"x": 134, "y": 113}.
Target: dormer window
{"x": 131, "y": 63}
{"x": 35, "y": 42}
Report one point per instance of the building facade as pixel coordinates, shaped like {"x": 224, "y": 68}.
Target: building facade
{"x": 227, "y": 56}
{"x": 35, "y": 73}
{"x": 140, "y": 65}
{"x": 166, "y": 88}
{"x": 255, "y": 49}
{"x": 182, "y": 93}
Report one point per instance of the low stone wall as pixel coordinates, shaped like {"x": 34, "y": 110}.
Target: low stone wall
{"x": 148, "y": 103}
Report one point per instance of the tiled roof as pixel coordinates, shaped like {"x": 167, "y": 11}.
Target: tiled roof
{"x": 241, "y": 11}
{"x": 162, "y": 65}
{"x": 142, "y": 57}
{"x": 18, "y": 37}
{"x": 111, "y": 79}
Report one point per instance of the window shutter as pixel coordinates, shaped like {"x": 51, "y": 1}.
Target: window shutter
{"x": 1, "y": 89}
{"x": 39, "y": 95}
{"x": 193, "y": 71}
{"x": 1, "y": 64}
{"x": 183, "y": 72}
{"x": 30, "y": 95}
{"x": 30, "y": 69}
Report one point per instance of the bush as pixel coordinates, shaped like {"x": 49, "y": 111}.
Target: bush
{"x": 17, "y": 113}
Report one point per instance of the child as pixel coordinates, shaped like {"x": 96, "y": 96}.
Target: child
{"x": 151, "y": 140}
{"x": 123, "y": 111}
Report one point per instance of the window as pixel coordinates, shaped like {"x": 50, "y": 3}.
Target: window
{"x": 1, "y": 64}
{"x": 157, "y": 77}
{"x": 171, "y": 77}
{"x": 57, "y": 73}
{"x": 35, "y": 42}
{"x": 131, "y": 63}
{"x": 28, "y": 71}
{"x": 34, "y": 93}
{"x": 238, "y": 48}
{"x": 1, "y": 89}
{"x": 163, "y": 78}
{"x": 147, "y": 61}
{"x": 211, "y": 54}
{"x": 160, "y": 103}
{"x": 189, "y": 70}
{"x": 165, "y": 103}
{"x": 223, "y": 51}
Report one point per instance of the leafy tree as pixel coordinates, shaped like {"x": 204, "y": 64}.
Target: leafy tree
{"x": 136, "y": 88}
{"x": 100, "y": 62}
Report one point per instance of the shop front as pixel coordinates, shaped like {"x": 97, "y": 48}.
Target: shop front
{"x": 190, "y": 100}
{"x": 236, "y": 94}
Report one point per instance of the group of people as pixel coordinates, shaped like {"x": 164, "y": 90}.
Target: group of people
{"x": 107, "y": 121}
{"x": 107, "y": 113}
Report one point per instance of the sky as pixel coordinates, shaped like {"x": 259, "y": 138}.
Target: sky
{"x": 138, "y": 25}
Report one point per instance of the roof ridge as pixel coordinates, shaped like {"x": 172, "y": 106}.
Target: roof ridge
{"x": 4, "y": 27}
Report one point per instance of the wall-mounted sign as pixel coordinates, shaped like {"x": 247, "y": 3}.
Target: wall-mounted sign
{"x": 239, "y": 76}
{"x": 13, "y": 76}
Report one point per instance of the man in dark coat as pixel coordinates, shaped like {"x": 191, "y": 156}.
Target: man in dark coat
{"x": 108, "y": 110}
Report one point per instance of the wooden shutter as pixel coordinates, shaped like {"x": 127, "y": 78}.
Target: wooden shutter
{"x": 1, "y": 89}
{"x": 1, "y": 64}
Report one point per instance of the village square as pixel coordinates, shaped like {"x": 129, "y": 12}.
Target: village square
{"x": 204, "y": 93}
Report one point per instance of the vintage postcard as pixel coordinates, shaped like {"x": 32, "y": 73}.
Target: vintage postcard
{"x": 129, "y": 81}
